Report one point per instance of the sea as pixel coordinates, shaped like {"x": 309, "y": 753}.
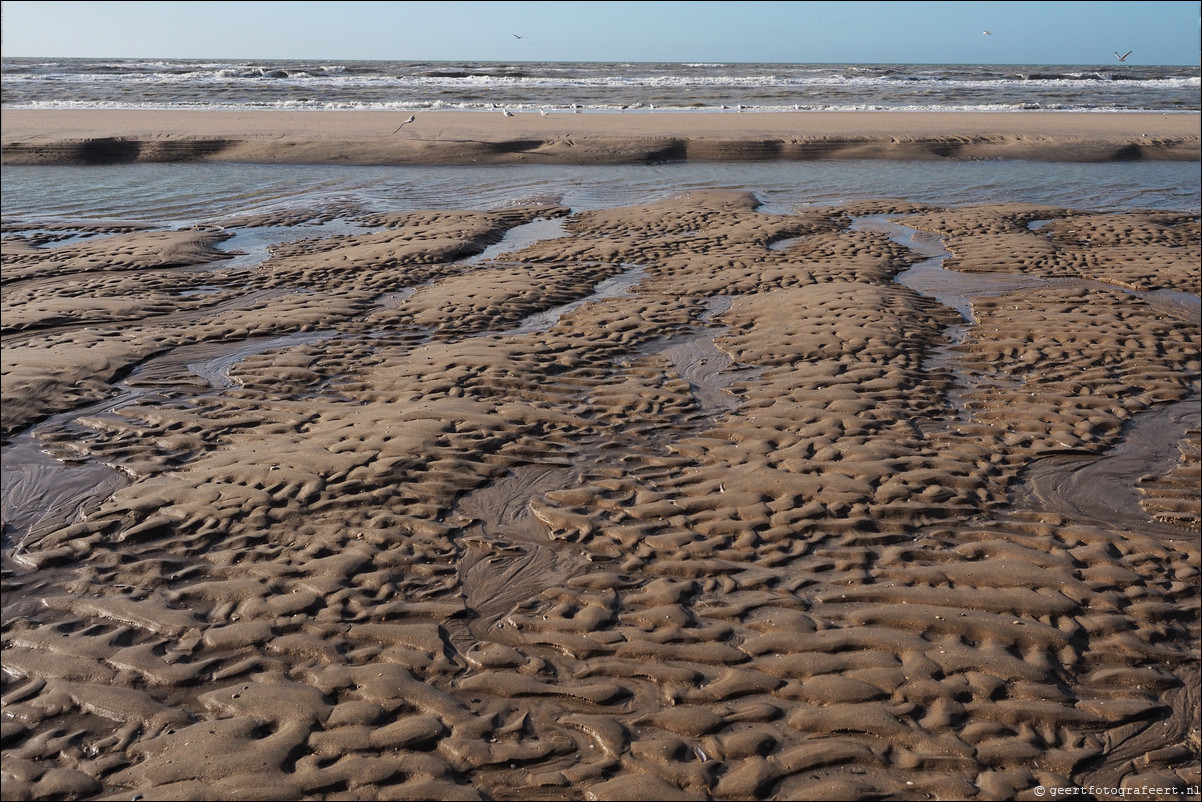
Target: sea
{"x": 591, "y": 87}
{"x": 184, "y": 194}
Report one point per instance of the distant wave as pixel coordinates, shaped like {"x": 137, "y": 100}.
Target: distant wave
{"x": 482, "y": 105}
{"x": 691, "y": 86}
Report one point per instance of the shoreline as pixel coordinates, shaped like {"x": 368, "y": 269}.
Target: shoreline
{"x": 64, "y": 137}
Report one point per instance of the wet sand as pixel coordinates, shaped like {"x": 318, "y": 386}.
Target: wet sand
{"x": 55, "y": 136}
{"x": 676, "y": 501}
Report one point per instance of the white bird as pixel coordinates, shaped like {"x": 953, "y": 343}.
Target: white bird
{"x": 412, "y": 117}
{"x": 543, "y": 112}
{"x": 1124, "y": 56}
{"x": 507, "y": 112}
{"x": 986, "y": 33}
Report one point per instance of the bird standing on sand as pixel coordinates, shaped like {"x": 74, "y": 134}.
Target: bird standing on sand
{"x": 1124, "y": 56}
{"x": 412, "y": 117}
{"x": 507, "y": 112}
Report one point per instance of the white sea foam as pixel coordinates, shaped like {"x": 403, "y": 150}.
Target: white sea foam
{"x": 693, "y": 86}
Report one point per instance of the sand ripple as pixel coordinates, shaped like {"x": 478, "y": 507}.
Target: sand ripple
{"x": 402, "y": 523}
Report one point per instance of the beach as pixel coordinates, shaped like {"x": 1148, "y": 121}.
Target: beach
{"x": 90, "y": 136}
{"x": 676, "y": 498}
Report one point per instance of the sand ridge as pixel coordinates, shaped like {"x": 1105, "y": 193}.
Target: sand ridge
{"x": 742, "y": 528}
{"x": 57, "y": 136}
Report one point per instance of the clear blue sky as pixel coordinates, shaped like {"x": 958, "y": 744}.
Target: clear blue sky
{"x": 801, "y": 32}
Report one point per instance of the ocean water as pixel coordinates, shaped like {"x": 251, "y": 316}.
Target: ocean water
{"x": 396, "y": 85}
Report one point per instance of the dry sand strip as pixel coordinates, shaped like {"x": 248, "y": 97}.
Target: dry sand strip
{"x": 442, "y": 137}
{"x": 430, "y": 553}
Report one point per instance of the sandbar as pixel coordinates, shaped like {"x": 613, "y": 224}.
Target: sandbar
{"x": 45, "y": 136}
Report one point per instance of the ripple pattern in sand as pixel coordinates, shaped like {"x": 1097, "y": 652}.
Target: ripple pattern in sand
{"x": 600, "y": 560}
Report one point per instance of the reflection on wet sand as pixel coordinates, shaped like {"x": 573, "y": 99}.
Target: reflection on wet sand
{"x": 1105, "y": 488}
{"x": 44, "y": 492}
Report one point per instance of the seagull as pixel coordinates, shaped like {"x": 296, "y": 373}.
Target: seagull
{"x": 986, "y": 33}
{"x": 543, "y": 112}
{"x": 412, "y": 117}
{"x": 515, "y": 36}
{"x": 507, "y": 112}
{"x": 1124, "y": 56}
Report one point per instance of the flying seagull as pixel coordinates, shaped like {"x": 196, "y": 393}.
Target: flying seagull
{"x": 986, "y": 33}
{"x": 1124, "y": 56}
{"x": 515, "y": 36}
{"x": 412, "y": 117}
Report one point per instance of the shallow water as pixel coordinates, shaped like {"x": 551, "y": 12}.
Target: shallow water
{"x": 609, "y": 288}
{"x": 1103, "y": 488}
{"x": 46, "y": 488}
{"x": 1099, "y": 488}
{"x": 182, "y": 195}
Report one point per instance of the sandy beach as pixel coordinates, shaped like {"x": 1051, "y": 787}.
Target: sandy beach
{"x": 679, "y": 500}
{"x": 44, "y": 136}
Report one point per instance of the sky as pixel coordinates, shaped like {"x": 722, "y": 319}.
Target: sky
{"x": 1047, "y": 32}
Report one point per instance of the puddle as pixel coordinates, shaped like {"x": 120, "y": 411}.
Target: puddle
{"x": 951, "y": 288}
{"x": 507, "y": 554}
{"x": 958, "y": 290}
{"x": 216, "y": 370}
{"x": 1174, "y": 303}
{"x": 1104, "y": 488}
{"x": 520, "y": 237}
{"x": 42, "y": 494}
{"x": 612, "y": 287}
{"x": 251, "y": 246}
{"x": 201, "y": 292}
{"x": 49, "y": 239}
{"x": 1101, "y": 488}
{"x": 393, "y": 300}
{"x": 44, "y": 491}
{"x": 709, "y": 370}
